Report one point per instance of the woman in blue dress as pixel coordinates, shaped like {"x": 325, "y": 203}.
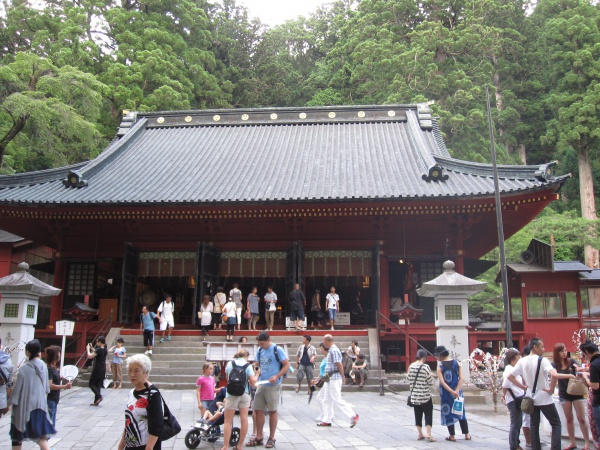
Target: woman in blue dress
{"x": 450, "y": 378}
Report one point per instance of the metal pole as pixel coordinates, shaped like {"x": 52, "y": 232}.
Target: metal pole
{"x": 503, "y": 273}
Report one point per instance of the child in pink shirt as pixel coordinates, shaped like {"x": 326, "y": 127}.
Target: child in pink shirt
{"x": 205, "y": 387}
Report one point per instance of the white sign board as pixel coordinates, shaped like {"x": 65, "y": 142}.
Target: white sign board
{"x": 65, "y": 328}
{"x": 289, "y": 323}
{"x": 342, "y": 318}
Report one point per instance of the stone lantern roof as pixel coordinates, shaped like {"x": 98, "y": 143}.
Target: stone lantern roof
{"x": 451, "y": 282}
{"x": 23, "y": 282}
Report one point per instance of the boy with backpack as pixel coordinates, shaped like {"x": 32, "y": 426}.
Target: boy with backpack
{"x": 240, "y": 376}
{"x": 274, "y": 364}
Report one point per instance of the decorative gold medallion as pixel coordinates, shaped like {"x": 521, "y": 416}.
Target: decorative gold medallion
{"x": 391, "y": 113}
{"x": 160, "y": 120}
{"x": 273, "y": 116}
{"x": 331, "y": 115}
{"x": 245, "y": 116}
{"x": 361, "y": 114}
{"x": 302, "y": 115}
{"x": 216, "y": 117}
{"x": 188, "y": 119}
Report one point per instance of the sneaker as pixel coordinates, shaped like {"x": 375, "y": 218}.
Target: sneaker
{"x": 168, "y": 338}
{"x": 149, "y": 352}
{"x": 354, "y": 421}
{"x": 332, "y": 329}
{"x": 162, "y": 340}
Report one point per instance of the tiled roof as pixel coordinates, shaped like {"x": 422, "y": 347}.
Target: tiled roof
{"x": 273, "y": 155}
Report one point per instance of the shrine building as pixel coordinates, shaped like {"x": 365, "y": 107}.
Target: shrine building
{"x": 366, "y": 199}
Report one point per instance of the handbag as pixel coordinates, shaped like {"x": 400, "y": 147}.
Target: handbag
{"x": 409, "y": 399}
{"x": 224, "y": 318}
{"x": 458, "y": 406}
{"x": 272, "y": 306}
{"x": 577, "y": 386}
{"x": 320, "y": 315}
{"x": 247, "y": 315}
{"x": 527, "y": 402}
{"x": 170, "y": 425}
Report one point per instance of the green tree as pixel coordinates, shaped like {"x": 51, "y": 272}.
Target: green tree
{"x": 571, "y": 45}
{"x": 47, "y": 114}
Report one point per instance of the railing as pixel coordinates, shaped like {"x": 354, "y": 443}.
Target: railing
{"x": 398, "y": 327}
{"x": 102, "y": 328}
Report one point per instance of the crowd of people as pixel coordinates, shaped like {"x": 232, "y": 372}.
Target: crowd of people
{"x": 35, "y": 395}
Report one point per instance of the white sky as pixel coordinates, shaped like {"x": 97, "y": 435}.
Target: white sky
{"x": 275, "y": 12}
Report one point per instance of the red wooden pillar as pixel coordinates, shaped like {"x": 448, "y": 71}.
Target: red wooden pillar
{"x": 5, "y": 259}
{"x": 384, "y": 285}
{"x": 60, "y": 273}
{"x": 459, "y": 264}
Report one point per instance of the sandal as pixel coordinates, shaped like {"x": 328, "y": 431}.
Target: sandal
{"x": 361, "y": 385}
{"x": 468, "y": 438}
{"x": 451, "y": 438}
{"x": 297, "y": 390}
{"x": 430, "y": 439}
{"x": 324, "y": 424}
{"x": 254, "y": 442}
{"x": 270, "y": 443}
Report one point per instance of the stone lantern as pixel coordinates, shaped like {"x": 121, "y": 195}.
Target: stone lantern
{"x": 19, "y": 308}
{"x": 451, "y": 291}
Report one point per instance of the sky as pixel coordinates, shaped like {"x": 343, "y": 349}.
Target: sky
{"x": 275, "y": 12}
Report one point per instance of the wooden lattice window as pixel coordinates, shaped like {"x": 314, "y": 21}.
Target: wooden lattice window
{"x": 81, "y": 278}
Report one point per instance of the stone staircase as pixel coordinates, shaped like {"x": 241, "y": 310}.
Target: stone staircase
{"x": 177, "y": 364}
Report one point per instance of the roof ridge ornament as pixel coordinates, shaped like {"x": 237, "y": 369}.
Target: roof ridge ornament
{"x": 545, "y": 171}
{"x": 435, "y": 173}
{"x": 74, "y": 180}
{"x": 424, "y": 115}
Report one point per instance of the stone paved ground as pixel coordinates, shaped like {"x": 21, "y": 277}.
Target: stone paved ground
{"x": 385, "y": 423}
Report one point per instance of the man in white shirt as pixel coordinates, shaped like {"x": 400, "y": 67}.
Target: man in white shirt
{"x": 542, "y": 399}
{"x": 166, "y": 316}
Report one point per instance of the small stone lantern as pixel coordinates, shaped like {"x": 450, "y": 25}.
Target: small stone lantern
{"x": 19, "y": 308}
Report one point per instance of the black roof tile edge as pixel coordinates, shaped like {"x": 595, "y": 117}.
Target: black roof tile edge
{"x": 38, "y": 177}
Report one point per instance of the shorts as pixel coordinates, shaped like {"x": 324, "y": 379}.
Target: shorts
{"x": 231, "y": 321}
{"x": 305, "y": 370}
{"x": 332, "y": 314}
{"x": 267, "y": 397}
{"x": 167, "y": 323}
{"x": 563, "y": 401}
{"x": 235, "y": 402}
{"x": 296, "y": 314}
{"x": 206, "y": 403}
{"x": 148, "y": 338}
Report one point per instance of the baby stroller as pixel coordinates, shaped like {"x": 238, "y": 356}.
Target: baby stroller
{"x": 211, "y": 431}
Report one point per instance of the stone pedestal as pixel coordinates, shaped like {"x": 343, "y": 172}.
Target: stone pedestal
{"x": 450, "y": 292}
{"x": 19, "y": 308}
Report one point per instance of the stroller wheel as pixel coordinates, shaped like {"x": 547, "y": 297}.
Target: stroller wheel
{"x": 192, "y": 438}
{"x": 235, "y": 437}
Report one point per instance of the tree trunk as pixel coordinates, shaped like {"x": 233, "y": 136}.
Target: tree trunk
{"x": 522, "y": 153}
{"x": 18, "y": 125}
{"x": 588, "y": 202}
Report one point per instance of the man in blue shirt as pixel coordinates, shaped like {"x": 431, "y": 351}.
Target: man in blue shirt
{"x": 147, "y": 328}
{"x": 272, "y": 369}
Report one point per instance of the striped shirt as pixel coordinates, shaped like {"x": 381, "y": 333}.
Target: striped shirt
{"x": 334, "y": 357}
{"x": 421, "y": 386}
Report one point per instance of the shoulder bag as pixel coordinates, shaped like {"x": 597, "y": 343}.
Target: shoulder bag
{"x": 170, "y": 425}
{"x": 527, "y": 402}
{"x": 518, "y": 400}
{"x": 409, "y": 399}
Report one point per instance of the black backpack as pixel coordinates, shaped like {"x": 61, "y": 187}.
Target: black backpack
{"x": 237, "y": 381}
